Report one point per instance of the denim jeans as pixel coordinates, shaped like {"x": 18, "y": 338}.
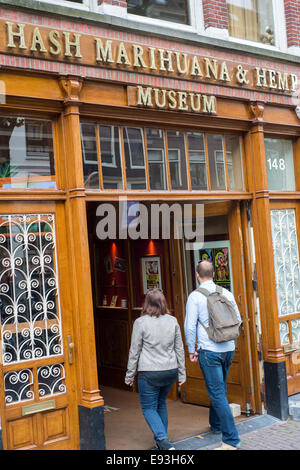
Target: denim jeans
{"x": 215, "y": 367}
{"x": 154, "y": 407}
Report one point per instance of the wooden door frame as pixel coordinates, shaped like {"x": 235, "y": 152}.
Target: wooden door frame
{"x": 244, "y": 299}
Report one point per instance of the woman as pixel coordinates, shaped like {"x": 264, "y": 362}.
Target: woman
{"x": 157, "y": 353}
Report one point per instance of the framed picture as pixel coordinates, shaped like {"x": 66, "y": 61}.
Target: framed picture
{"x": 113, "y": 301}
{"x": 151, "y": 273}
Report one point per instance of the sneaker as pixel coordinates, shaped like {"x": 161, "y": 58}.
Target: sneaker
{"x": 165, "y": 444}
{"x": 226, "y": 447}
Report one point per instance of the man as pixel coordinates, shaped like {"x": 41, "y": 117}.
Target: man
{"x": 214, "y": 358}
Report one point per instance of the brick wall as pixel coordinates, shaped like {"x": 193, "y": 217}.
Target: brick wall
{"x": 292, "y": 15}
{"x": 215, "y": 14}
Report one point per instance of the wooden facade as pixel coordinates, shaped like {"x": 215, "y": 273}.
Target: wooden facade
{"x": 71, "y": 90}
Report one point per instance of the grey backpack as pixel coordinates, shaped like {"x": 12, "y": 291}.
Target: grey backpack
{"x": 223, "y": 320}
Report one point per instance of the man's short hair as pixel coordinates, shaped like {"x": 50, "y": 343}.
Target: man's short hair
{"x": 205, "y": 269}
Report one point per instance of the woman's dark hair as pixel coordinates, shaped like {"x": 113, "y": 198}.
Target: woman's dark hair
{"x": 155, "y": 303}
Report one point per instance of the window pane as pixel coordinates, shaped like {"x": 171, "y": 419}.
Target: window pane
{"x": 26, "y": 153}
{"x": 89, "y": 156}
{"x": 111, "y": 162}
{"x": 156, "y": 159}
{"x": 234, "y": 162}
{"x": 197, "y": 160}
{"x": 280, "y": 164}
{"x": 286, "y": 261}
{"x": 216, "y": 161}
{"x": 252, "y": 20}
{"x": 168, "y": 10}
{"x": 134, "y": 158}
{"x": 177, "y": 160}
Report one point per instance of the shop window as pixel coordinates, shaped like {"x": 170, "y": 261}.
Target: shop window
{"x": 198, "y": 170}
{"x": 111, "y": 162}
{"x": 134, "y": 158}
{"x": 26, "y": 153}
{"x": 280, "y": 164}
{"x": 156, "y": 159}
{"x": 252, "y": 20}
{"x": 169, "y": 10}
{"x": 177, "y": 160}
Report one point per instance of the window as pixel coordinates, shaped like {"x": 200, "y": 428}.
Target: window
{"x": 134, "y": 158}
{"x": 168, "y": 10}
{"x": 111, "y": 161}
{"x": 26, "y": 153}
{"x": 90, "y": 156}
{"x": 252, "y": 20}
{"x": 177, "y": 160}
{"x": 216, "y": 162}
{"x": 280, "y": 164}
{"x": 234, "y": 162}
{"x": 197, "y": 159}
{"x": 156, "y": 159}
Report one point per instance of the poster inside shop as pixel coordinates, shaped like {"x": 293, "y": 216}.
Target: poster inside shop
{"x": 219, "y": 254}
{"x": 151, "y": 273}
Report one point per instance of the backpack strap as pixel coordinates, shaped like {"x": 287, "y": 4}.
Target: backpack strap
{"x": 203, "y": 291}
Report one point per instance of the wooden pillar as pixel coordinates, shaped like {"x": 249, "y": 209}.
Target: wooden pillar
{"x": 90, "y": 401}
{"x": 274, "y": 359}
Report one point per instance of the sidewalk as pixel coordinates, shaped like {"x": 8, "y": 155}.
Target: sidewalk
{"x": 257, "y": 433}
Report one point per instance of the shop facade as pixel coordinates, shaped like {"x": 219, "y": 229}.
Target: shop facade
{"x": 92, "y": 113}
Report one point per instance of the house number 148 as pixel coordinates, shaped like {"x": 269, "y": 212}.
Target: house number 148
{"x": 276, "y": 164}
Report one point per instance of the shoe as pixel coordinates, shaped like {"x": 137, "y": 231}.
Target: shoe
{"x": 165, "y": 444}
{"x": 226, "y": 447}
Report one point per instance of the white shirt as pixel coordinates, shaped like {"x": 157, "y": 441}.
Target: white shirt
{"x": 196, "y": 309}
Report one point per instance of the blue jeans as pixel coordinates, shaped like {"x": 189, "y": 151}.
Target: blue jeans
{"x": 215, "y": 367}
{"x": 154, "y": 407}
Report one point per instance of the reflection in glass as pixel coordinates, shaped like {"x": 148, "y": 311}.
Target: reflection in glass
{"x": 89, "y": 155}
{"x": 197, "y": 160}
{"x": 216, "y": 161}
{"x": 168, "y": 10}
{"x": 280, "y": 164}
{"x": 26, "y": 153}
{"x": 134, "y": 158}
{"x": 234, "y": 162}
{"x": 177, "y": 160}
{"x": 252, "y": 20}
{"x": 111, "y": 162}
{"x": 156, "y": 158}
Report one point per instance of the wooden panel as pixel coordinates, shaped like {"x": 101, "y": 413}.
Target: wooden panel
{"x": 55, "y": 426}
{"x": 22, "y": 434}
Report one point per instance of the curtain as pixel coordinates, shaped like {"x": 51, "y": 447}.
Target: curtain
{"x": 243, "y": 19}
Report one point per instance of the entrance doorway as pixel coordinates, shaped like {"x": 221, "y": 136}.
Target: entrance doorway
{"x": 122, "y": 271}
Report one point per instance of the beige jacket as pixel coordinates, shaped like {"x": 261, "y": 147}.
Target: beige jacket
{"x": 156, "y": 344}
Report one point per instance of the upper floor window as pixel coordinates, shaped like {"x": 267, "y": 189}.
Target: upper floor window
{"x": 252, "y": 20}
{"x": 168, "y": 10}
{"x": 26, "y": 153}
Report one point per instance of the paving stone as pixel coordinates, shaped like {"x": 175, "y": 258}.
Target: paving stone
{"x": 259, "y": 433}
